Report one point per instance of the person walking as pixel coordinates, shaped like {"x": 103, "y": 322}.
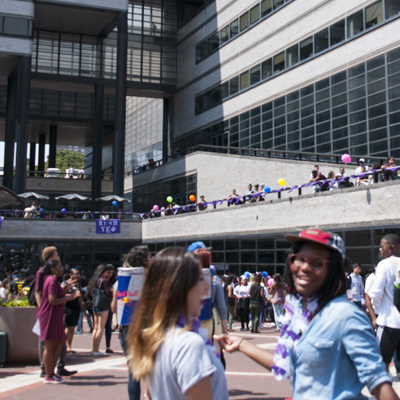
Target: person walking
{"x": 243, "y": 296}
{"x": 256, "y": 303}
{"x": 176, "y": 362}
{"x": 382, "y": 294}
{"x": 230, "y": 299}
{"x": 50, "y": 315}
{"x": 100, "y": 280}
{"x": 278, "y": 299}
{"x": 328, "y": 349}
{"x": 137, "y": 257}
{"x": 356, "y": 285}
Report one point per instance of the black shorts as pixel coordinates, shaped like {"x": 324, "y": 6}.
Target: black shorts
{"x": 389, "y": 343}
{"x": 72, "y": 319}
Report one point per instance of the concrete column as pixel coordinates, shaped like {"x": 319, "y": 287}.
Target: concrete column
{"x": 53, "y": 145}
{"x": 22, "y": 123}
{"x": 165, "y": 136}
{"x": 120, "y": 105}
{"x": 41, "y": 160}
{"x": 97, "y": 162}
{"x": 32, "y": 158}
{"x": 11, "y": 117}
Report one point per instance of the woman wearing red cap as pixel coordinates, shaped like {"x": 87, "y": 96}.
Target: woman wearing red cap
{"x": 327, "y": 346}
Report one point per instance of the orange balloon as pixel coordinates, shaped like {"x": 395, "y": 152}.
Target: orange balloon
{"x": 192, "y": 197}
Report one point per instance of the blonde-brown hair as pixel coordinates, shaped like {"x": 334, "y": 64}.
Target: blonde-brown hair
{"x": 48, "y": 252}
{"x": 172, "y": 274}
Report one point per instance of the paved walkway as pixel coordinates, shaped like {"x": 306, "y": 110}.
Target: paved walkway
{"x": 106, "y": 377}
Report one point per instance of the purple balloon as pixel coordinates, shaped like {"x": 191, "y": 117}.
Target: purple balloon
{"x": 64, "y": 211}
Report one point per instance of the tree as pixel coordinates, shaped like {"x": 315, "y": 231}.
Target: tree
{"x": 66, "y": 158}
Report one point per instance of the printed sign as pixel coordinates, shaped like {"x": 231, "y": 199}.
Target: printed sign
{"x": 108, "y": 226}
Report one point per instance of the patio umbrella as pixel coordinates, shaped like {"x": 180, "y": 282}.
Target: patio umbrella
{"x": 28, "y": 195}
{"x": 8, "y": 198}
{"x": 113, "y": 197}
{"x": 73, "y": 196}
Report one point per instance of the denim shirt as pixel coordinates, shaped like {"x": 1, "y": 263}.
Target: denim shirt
{"x": 337, "y": 356}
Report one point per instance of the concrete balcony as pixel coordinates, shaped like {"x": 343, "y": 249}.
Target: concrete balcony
{"x": 88, "y": 17}
{"x": 60, "y": 229}
{"x": 365, "y": 206}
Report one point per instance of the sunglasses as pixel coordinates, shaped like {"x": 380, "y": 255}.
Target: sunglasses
{"x": 316, "y": 263}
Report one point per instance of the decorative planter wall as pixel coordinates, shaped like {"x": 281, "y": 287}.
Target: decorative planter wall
{"x": 23, "y": 344}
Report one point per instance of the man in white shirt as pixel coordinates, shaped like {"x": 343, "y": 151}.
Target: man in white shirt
{"x": 357, "y": 285}
{"x": 382, "y": 294}
{"x": 316, "y": 168}
{"x": 361, "y": 163}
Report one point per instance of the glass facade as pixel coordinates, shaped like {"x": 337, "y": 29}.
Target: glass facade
{"x": 303, "y": 51}
{"x": 144, "y": 119}
{"x": 355, "y": 111}
{"x": 269, "y": 252}
{"x": 151, "y": 48}
{"x": 145, "y": 197}
{"x": 229, "y": 32}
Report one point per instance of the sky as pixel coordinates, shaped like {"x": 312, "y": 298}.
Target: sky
{"x": 46, "y": 153}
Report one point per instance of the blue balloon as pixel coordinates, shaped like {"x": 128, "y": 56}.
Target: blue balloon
{"x": 264, "y": 274}
{"x": 63, "y": 210}
{"x": 267, "y": 189}
{"x": 247, "y": 274}
{"x": 114, "y": 203}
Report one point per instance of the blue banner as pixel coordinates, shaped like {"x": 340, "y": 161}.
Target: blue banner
{"x": 108, "y": 226}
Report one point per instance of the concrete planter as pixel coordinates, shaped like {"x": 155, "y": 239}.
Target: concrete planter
{"x": 18, "y": 322}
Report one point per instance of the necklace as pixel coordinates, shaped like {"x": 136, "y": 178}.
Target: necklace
{"x": 295, "y": 323}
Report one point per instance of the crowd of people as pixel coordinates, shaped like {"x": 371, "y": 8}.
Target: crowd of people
{"x": 337, "y": 332}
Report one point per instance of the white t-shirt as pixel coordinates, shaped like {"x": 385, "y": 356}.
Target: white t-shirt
{"x": 242, "y": 291}
{"x": 359, "y": 169}
{"x": 3, "y": 293}
{"x": 368, "y": 283}
{"x": 182, "y": 361}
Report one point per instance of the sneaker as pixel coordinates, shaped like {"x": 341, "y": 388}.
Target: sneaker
{"x": 64, "y": 372}
{"x": 97, "y": 353}
{"x": 58, "y": 378}
{"x": 51, "y": 380}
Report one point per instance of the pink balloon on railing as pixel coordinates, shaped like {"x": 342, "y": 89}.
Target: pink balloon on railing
{"x": 155, "y": 207}
{"x": 346, "y": 158}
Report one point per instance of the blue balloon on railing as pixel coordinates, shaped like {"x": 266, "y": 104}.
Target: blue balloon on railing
{"x": 114, "y": 203}
{"x": 267, "y": 189}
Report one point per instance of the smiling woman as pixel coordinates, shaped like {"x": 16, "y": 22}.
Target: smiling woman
{"x": 327, "y": 347}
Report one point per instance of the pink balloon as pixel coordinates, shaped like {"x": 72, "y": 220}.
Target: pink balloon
{"x": 155, "y": 208}
{"x": 270, "y": 282}
{"x": 346, "y": 158}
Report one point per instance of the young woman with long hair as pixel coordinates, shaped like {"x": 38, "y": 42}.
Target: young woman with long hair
{"x": 256, "y": 303}
{"x": 327, "y": 347}
{"x": 176, "y": 363}
{"x": 277, "y": 289}
{"x": 50, "y": 315}
{"x": 100, "y": 279}
{"x": 230, "y": 299}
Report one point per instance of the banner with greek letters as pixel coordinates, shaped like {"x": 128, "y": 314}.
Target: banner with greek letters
{"x": 108, "y": 226}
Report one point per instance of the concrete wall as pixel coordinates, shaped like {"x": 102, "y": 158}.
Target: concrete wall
{"x": 295, "y": 22}
{"x": 376, "y": 205}
{"x": 117, "y": 5}
{"x": 15, "y": 46}
{"x": 218, "y": 174}
{"x": 21, "y": 8}
{"x": 54, "y": 229}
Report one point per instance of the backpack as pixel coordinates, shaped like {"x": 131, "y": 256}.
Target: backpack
{"x": 31, "y": 294}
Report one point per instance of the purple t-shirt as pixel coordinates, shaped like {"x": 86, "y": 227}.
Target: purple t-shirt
{"x": 40, "y": 275}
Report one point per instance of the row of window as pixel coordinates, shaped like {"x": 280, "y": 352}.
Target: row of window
{"x": 229, "y": 32}
{"x": 14, "y": 26}
{"x": 355, "y": 24}
{"x": 356, "y": 111}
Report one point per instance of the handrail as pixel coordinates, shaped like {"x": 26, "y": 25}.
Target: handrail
{"x": 240, "y": 200}
{"x": 275, "y": 154}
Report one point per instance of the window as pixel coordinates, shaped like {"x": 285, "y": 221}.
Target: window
{"x": 244, "y": 21}
{"x": 244, "y": 80}
{"x": 277, "y": 3}
{"x": 254, "y": 14}
{"x": 16, "y": 26}
{"x": 255, "y": 75}
{"x": 392, "y": 8}
{"x": 337, "y": 33}
{"x": 234, "y": 27}
{"x": 215, "y": 95}
{"x": 225, "y": 90}
{"x": 292, "y": 55}
{"x": 355, "y": 24}
{"x": 306, "y": 49}
{"x": 225, "y": 35}
{"x": 374, "y": 14}
{"x": 266, "y": 7}
{"x": 266, "y": 68}
{"x": 279, "y": 62}
{"x": 321, "y": 41}
{"x": 234, "y": 85}
{"x": 214, "y": 42}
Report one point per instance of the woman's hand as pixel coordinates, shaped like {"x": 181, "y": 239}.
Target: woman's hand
{"x": 228, "y": 342}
